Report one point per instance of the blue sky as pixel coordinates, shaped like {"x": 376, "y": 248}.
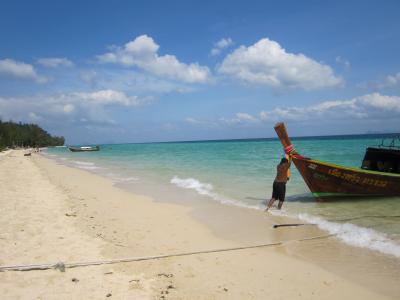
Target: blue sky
{"x": 137, "y": 71}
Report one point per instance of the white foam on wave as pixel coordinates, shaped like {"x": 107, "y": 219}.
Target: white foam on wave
{"x": 346, "y": 232}
{"x": 355, "y": 235}
{"x": 206, "y": 189}
{"x": 85, "y": 165}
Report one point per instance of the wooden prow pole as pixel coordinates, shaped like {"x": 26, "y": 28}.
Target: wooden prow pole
{"x": 282, "y": 134}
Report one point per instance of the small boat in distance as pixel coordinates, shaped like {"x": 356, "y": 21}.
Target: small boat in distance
{"x": 378, "y": 176}
{"x": 84, "y": 148}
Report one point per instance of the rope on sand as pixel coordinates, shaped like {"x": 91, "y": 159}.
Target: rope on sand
{"x": 62, "y": 266}
{"x": 293, "y": 225}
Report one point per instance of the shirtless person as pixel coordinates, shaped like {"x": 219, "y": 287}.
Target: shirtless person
{"x": 279, "y": 187}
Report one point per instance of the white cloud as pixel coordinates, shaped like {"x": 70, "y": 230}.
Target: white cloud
{"x": 142, "y": 52}
{"x": 89, "y": 76}
{"x": 370, "y": 107}
{"x": 291, "y": 113}
{"x": 21, "y": 70}
{"x": 374, "y": 106}
{"x": 342, "y": 61}
{"x": 246, "y": 117}
{"x": 267, "y": 63}
{"x": 134, "y": 82}
{"x": 106, "y": 97}
{"x": 220, "y": 45}
{"x": 382, "y": 102}
{"x": 391, "y": 81}
{"x": 193, "y": 121}
{"x": 240, "y": 119}
{"x": 54, "y": 62}
{"x": 34, "y": 117}
{"x": 68, "y": 107}
{"x": 388, "y": 82}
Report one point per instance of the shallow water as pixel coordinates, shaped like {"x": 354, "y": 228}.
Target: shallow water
{"x": 241, "y": 173}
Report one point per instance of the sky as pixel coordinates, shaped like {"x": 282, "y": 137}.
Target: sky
{"x": 149, "y": 71}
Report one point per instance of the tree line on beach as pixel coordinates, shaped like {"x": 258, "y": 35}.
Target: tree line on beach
{"x": 14, "y": 135}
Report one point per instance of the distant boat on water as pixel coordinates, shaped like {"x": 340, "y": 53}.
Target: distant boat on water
{"x": 379, "y": 174}
{"x": 84, "y": 148}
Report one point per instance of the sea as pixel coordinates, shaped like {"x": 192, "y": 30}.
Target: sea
{"x": 241, "y": 173}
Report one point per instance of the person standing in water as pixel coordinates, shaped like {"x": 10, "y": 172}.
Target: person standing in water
{"x": 279, "y": 186}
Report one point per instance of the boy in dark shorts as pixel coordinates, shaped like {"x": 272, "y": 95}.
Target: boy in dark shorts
{"x": 279, "y": 186}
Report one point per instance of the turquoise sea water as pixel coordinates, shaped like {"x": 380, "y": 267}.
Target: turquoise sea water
{"x": 241, "y": 172}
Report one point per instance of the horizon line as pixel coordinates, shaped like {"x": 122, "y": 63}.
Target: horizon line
{"x": 387, "y": 134}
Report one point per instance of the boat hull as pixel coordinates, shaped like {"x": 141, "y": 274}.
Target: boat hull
{"x": 78, "y": 149}
{"x": 327, "y": 180}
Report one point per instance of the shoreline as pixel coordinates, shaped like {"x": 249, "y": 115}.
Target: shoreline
{"x": 367, "y": 225}
{"x": 108, "y": 222}
{"x": 357, "y": 264}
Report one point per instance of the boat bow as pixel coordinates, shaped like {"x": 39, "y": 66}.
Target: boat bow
{"x": 287, "y": 144}
{"x": 327, "y": 180}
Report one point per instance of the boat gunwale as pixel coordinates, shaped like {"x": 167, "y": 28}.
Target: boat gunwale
{"x": 353, "y": 169}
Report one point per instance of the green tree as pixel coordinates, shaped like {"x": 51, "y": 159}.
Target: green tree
{"x": 26, "y": 135}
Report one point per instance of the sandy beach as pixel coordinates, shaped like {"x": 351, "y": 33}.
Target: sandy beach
{"x": 52, "y": 213}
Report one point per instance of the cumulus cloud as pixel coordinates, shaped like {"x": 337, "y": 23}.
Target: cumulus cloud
{"x": 142, "y": 53}
{"x": 55, "y": 62}
{"x": 15, "y": 69}
{"x": 246, "y": 117}
{"x": 374, "y": 105}
{"x": 106, "y": 97}
{"x": 267, "y": 63}
{"x": 71, "y": 107}
{"x": 134, "y": 82}
{"x": 220, "y": 45}
{"x": 368, "y": 107}
{"x": 382, "y": 102}
{"x": 240, "y": 119}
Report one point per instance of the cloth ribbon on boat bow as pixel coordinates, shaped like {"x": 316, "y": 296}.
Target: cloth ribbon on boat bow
{"x": 291, "y": 151}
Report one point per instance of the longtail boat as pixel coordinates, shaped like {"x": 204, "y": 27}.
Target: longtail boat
{"x": 378, "y": 176}
{"x": 84, "y": 148}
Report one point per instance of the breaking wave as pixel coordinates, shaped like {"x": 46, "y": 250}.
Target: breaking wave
{"x": 206, "y": 189}
{"x": 346, "y": 232}
{"x": 355, "y": 235}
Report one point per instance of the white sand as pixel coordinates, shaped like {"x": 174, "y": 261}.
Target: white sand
{"x": 54, "y": 213}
